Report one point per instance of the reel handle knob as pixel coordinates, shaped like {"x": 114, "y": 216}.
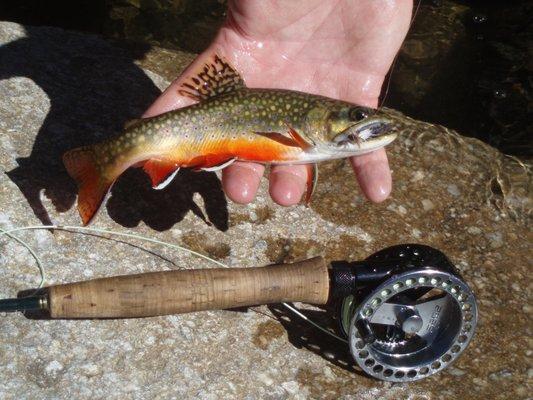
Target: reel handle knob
{"x": 410, "y": 321}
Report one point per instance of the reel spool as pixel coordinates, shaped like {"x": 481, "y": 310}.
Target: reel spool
{"x": 411, "y": 314}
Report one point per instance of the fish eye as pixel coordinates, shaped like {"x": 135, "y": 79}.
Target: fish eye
{"x": 358, "y": 114}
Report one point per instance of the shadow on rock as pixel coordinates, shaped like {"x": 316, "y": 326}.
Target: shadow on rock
{"x": 94, "y": 88}
{"x": 133, "y": 200}
{"x": 303, "y": 335}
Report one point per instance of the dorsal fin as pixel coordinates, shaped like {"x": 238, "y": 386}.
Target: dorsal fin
{"x": 213, "y": 78}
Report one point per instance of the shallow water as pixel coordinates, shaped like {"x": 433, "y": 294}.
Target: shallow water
{"x": 464, "y": 64}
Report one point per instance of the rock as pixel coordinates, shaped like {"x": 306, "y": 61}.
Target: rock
{"x": 60, "y": 89}
{"x": 474, "y": 230}
{"x": 496, "y": 240}
{"x": 501, "y": 374}
{"x": 427, "y": 204}
{"x": 291, "y": 387}
{"x": 456, "y": 371}
{"x": 453, "y": 190}
{"x": 90, "y": 370}
{"x": 53, "y": 367}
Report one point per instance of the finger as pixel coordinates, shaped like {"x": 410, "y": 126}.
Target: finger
{"x": 373, "y": 174}
{"x": 287, "y": 184}
{"x": 240, "y": 181}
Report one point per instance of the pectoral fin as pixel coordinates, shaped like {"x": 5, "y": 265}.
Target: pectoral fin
{"x": 279, "y": 137}
{"x": 295, "y": 139}
{"x": 303, "y": 143}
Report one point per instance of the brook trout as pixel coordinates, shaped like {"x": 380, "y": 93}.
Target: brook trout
{"x": 229, "y": 122}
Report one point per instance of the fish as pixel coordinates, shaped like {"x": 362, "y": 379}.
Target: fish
{"x": 228, "y": 122}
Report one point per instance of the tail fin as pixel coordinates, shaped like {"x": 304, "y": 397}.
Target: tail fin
{"x": 92, "y": 186}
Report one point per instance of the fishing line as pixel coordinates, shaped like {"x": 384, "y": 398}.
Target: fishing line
{"x": 82, "y": 230}
{"x": 32, "y": 252}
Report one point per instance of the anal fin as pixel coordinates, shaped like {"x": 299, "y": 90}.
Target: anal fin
{"x": 161, "y": 172}
{"x": 219, "y": 166}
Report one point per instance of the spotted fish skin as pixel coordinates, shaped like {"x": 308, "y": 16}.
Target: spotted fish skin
{"x": 229, "y": 122}
{"x": 229, "y": 125}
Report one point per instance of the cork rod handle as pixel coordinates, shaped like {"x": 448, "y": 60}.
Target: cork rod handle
{"x": 174, "y": 292}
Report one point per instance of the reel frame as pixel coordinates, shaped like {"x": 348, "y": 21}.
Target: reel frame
{"x": 393, "y": 336}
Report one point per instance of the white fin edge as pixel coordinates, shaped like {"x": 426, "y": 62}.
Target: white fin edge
{"x": 165, "y": 183}
{"x": 219, "y": 167}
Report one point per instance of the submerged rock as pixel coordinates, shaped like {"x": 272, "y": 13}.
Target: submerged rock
{"x": 60, "y": 89}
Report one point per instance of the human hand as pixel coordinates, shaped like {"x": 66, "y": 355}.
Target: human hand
{"x": 340, "y": 49}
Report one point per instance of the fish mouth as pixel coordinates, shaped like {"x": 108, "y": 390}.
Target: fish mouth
{"x": 366, "y": 137}
{"x": 372, "y": 129}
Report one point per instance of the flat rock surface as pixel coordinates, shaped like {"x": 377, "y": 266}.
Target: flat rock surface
{"x": 59, "y": 90}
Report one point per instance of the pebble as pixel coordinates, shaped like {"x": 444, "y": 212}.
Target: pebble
{"x": 496, "y": 240}
{"x": 427, "y": 205}
{"x": 253, "y": 216}
{"x": 328, "y": 373}
{"x": 456, "y": 371}
{"x": 150, "y": 340}
{"x": 260, "y": 245}
{"x": 453, "y": 190}
{"x": 90, "y": 369}
{"x": 53, "y": 367}
{"x": 479, "y": 382}
{"x": 291, "y": 386}
{"x": 417, "y": 176}
{"x": 474, "y": 230}
{"x": 267, "y": 380}
{"x": 501, "y": 374}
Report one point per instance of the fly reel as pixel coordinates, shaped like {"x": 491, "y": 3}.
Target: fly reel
{"x": 405, "y": 310}
{"x": 409, "y": 314}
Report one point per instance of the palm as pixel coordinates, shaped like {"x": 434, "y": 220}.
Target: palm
{"x": 339, "y": 49}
